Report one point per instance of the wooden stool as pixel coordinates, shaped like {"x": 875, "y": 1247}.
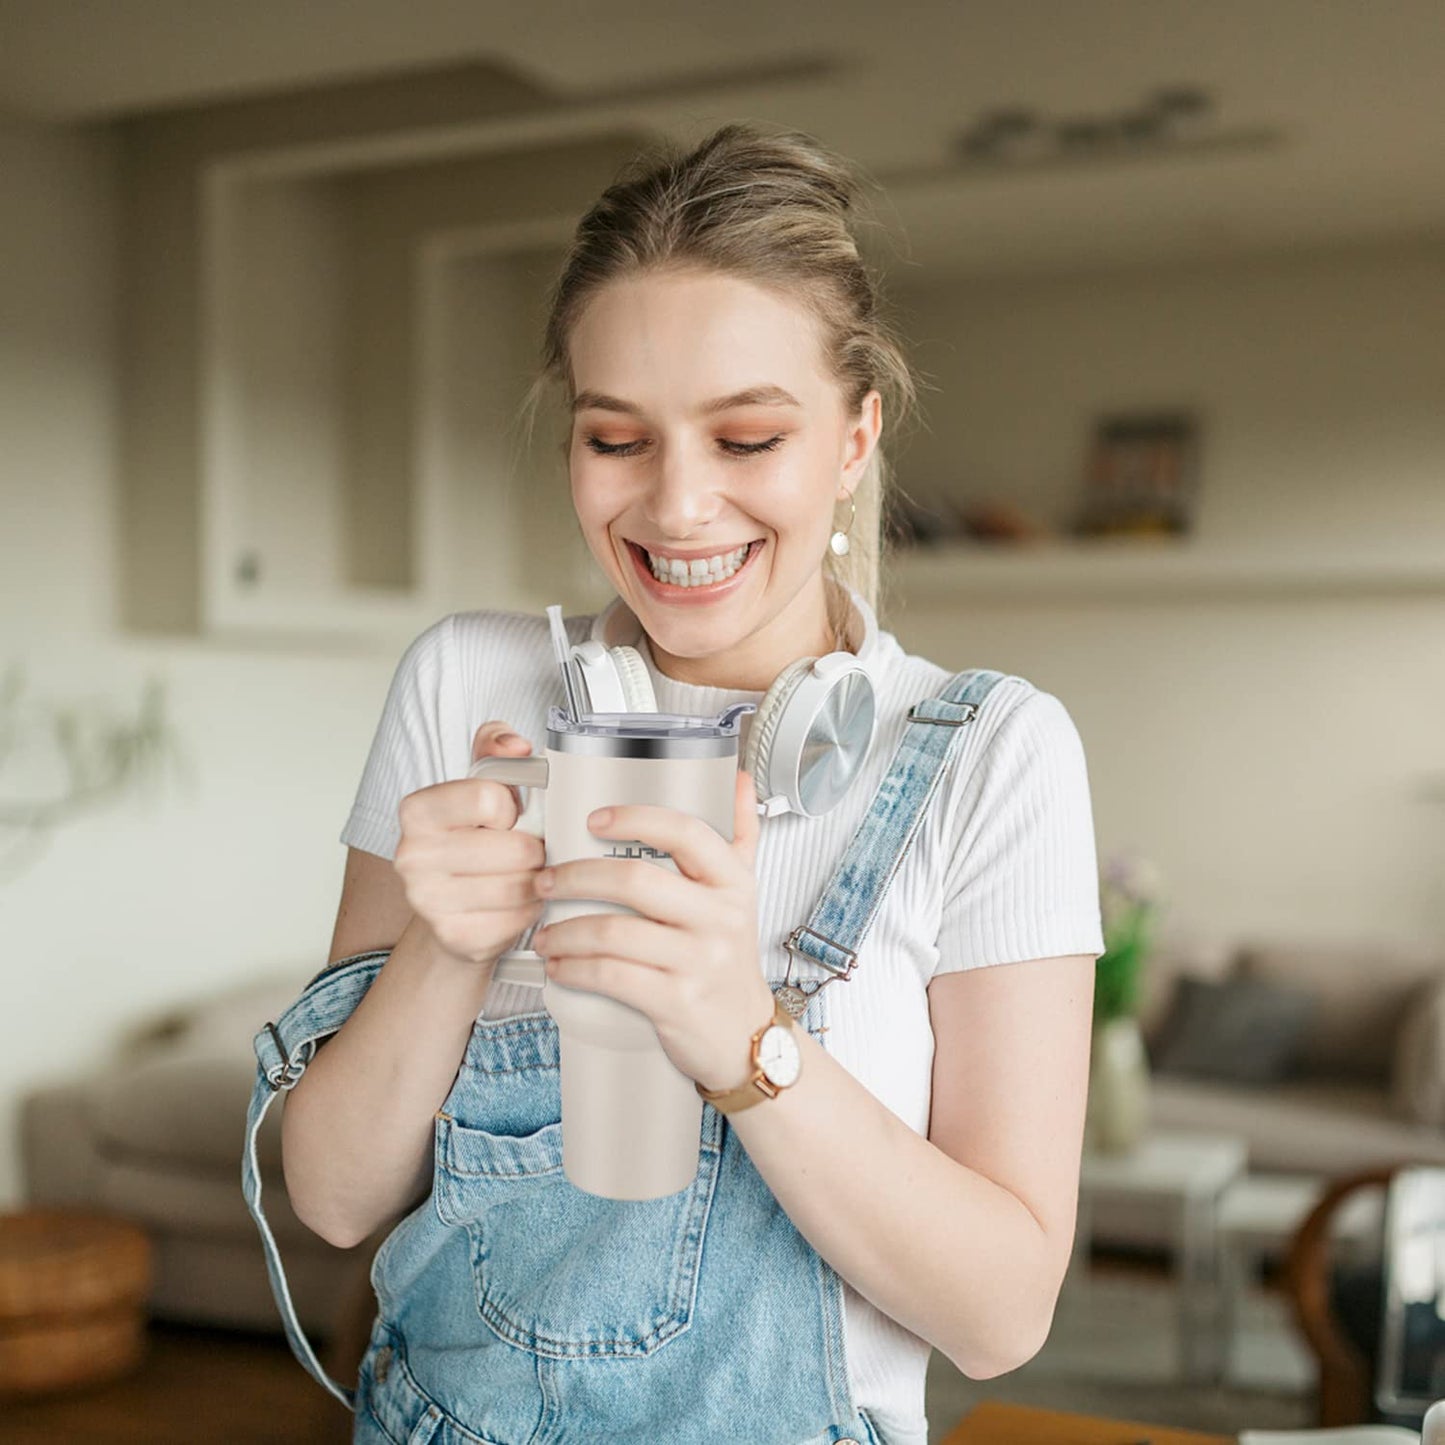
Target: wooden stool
{"x": 73, "y": 1288}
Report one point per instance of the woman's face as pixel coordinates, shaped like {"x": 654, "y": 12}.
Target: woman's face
{"x": 703, "y": 422}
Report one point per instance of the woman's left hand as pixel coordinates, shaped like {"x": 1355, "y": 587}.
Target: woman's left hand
{"x": 688, "y": 957}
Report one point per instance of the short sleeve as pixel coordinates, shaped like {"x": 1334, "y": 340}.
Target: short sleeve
{"x": 1022, "y": 878}
{"x": 407, "y": 749}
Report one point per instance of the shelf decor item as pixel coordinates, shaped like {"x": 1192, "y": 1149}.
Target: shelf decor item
{"x": 1142, "y": 476}
{"x": 1118, "y": 1107}
{"x": 909, "y": 522}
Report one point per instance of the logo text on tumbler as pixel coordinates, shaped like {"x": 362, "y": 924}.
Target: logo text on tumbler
{"x": 635, "y": 849}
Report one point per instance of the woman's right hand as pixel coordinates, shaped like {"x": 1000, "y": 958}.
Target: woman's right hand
{"x": 467, "y": 871}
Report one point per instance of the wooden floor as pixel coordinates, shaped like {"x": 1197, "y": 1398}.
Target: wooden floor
{"x": 239, "y": 1388}
{"x": 195, "y": 1385}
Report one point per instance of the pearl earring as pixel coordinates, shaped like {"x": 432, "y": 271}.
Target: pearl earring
{"x": 838, "y": 542}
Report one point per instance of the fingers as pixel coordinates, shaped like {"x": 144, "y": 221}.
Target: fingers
{"x": 438, "y": 894}
{"x": 649, "y": 889}
{"x": 498, "y": 737}
{"x": 460, "y": 803}
{"x": 745, "y": 819}
{"x": 469, "y": 802}
{"x": 620, "y": 936}
{"x": 469, "y": 852}
{"x": 465, "y": 868}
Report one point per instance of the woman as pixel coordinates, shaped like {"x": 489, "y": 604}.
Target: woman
{"x": 721, "y": 347}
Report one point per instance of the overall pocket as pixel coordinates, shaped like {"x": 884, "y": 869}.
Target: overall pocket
{"x": 561, "y": 1272}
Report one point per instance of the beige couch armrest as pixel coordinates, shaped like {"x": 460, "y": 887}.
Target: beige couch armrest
{"x": 1417, "y": 1074}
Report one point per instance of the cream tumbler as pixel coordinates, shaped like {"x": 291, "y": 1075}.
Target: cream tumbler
{"x": 631, "y": 1119}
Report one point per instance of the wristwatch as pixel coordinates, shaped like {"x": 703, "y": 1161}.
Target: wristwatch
{"x": 777, "y": 1062}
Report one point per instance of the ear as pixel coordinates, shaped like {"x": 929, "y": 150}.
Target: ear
{"x": 860, "y": 439}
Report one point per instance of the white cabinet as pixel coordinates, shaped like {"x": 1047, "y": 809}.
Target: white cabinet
{"x": 325, "y": 349}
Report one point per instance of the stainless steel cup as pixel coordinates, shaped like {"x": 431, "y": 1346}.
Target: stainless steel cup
{"x": 631, "y": 1120}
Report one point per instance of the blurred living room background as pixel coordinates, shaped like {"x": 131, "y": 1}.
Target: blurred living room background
{"x": 1173, "y": 275}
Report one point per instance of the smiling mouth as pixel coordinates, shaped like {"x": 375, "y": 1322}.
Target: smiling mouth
{"x": 685, "y": 577}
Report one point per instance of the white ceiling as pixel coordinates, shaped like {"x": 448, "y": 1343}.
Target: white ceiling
{"x": 1354, "y": 87}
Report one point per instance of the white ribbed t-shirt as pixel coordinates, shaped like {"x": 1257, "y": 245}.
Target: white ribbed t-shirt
{"x": 1002, "y": 867}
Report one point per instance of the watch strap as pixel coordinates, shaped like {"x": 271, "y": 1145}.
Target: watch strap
{"x": 759, "y": 1087}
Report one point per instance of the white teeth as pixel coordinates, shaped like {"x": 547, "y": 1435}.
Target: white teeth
{"x": 700, "y": 572}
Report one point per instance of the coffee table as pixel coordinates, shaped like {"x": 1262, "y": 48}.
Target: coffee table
{"x": 1184, "y": 1173}
{"x": 1258, "y": 1216}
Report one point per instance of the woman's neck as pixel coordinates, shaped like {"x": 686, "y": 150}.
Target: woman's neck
{"x": 754, "y": 664}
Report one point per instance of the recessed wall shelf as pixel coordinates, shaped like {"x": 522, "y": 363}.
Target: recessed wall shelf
{"x": 1125, "y": 568}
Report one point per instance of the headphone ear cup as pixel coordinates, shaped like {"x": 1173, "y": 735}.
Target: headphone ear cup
{"x": 758, "y": 755}
{"x": 633, "y": 675}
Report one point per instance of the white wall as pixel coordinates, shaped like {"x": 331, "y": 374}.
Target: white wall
{"x": 1266, "y": 753}
{"x": 151, "y": 901}
{"x": 1269, "y": 754}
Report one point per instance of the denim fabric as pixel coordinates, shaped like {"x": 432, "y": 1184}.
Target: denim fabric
{"x": 516, "y": 1309}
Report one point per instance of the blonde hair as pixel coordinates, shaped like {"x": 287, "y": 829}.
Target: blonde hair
{"x": 773, "y": 208}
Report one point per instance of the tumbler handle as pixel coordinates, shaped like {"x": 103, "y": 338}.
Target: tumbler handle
{"x": 521, "y": 964}
{"x": 527, "y": 773}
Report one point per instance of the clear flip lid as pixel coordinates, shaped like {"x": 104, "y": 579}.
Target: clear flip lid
{"x": 649, "y": 724}
{"x": 572, "y": 721}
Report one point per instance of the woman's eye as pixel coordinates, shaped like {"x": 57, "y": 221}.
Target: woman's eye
{"x": 612, "y": 449}
{"x": 748, "y": 449}
{"x": 730, "y": 448}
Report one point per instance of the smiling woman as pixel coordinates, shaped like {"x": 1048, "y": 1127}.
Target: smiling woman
{"x": 908, "y": 1181}
{"x": 676, "y": 469}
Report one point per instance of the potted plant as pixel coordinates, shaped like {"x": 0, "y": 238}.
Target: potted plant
{"x": 1118, "y": 1107}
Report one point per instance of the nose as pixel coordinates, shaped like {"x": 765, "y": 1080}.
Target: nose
{"x": 681, "y": 498}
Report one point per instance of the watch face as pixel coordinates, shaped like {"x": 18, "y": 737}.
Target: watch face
{"x": 779, "y": 1056}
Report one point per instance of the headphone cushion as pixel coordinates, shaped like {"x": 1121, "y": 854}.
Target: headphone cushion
{"x": 757, "y": 756}
{"x": 633, "y": 675}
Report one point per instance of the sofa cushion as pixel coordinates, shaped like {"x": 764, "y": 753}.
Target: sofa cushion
{"x": 1364, "y": 990}
{"x": 182, "y": 1101}
{"x": 1417, "y": 1080}
{"x": 225, "y": 1023}
{"x": 1247, "y": 1030}
{"x": 1300, "y": 1126}
{"x": 1174, "y": 956}
{"x": 184, "y": 1110}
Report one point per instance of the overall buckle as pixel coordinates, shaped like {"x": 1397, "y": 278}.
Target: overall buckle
{"x": 970, "y": 712}
{"x": 290, "y": 1070}
{"x": 791, "y": 944}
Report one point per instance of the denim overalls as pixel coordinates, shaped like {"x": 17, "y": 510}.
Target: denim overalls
{"x": 516, "y": 1309}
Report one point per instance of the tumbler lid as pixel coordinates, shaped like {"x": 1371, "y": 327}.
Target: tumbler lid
{"x": 647, "y": 734}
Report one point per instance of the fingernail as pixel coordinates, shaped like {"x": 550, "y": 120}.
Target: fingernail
{"x": 507, "y": 737}
{"x": 600, "y": 819}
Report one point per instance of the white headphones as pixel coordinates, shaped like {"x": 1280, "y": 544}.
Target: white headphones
{"x": 812, "y": 731}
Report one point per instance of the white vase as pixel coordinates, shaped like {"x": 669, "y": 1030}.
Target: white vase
{"x": 1118, "y": 1108}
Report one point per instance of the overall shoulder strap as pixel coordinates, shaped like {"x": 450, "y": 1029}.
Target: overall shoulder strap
{"x": 843, "y": 915}
{"x": 283, "y": 1049}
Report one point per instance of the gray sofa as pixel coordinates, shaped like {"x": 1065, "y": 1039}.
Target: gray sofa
{"x": 157, "y": 1133}
{"x": 1366, "y": 1088}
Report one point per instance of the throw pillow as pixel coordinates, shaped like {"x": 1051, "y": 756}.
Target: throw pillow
{"x": 1240, "y": 1030}
{"x": 1417, "y": 1081}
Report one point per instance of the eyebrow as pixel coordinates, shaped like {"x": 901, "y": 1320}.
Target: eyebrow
{"x": 753, "y": 396}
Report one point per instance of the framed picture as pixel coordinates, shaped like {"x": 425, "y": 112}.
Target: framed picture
{"x": 1142, "y": 476}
